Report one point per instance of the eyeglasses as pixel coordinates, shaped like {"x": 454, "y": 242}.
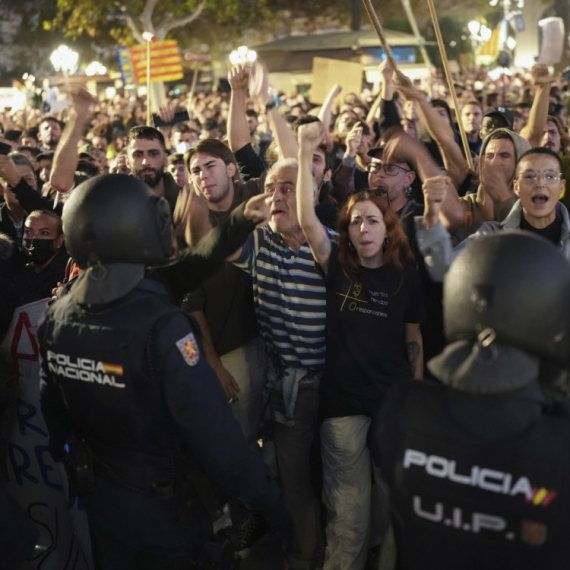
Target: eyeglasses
{"x": 531, "y": 176}
{"x": 389, "y": 169}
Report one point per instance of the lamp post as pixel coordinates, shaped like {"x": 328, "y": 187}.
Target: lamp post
{"x": 64, "y": 59}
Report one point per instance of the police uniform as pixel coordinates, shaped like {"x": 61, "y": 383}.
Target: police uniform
{"x": 478, "y": 472}
{"x": 130, "y": 398}
{"x": 463, "y": 499}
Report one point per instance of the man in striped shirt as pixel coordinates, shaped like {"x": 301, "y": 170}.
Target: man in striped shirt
{"x": 290, "y": 304}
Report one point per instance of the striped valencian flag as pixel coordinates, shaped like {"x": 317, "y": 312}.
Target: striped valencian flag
{"x": 165, "y": 62}
{"x": 493, "y": 44}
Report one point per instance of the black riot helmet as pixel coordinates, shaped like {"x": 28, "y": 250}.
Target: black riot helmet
{"x": 116, "y": 218}
{"x": 514, "y": 287}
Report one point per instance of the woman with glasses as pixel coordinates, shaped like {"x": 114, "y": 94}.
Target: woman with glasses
{"x": 538, "y": 185}
{"x": 374, "y": 307}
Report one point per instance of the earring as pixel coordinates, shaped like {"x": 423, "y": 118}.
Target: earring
{"x": 386, "y": 242}
{"x": 350, "y": 245}
{"x": 408, "y": 191}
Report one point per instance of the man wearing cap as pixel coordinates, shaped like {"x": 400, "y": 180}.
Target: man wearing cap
{"x": 500, "y": 153}
{"x": 93, "y": 155}
{"x": 476, "y": 465}
{"x": 496, "y": 118}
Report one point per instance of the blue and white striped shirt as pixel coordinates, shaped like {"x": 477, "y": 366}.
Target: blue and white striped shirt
{"x": 290, "y": 297}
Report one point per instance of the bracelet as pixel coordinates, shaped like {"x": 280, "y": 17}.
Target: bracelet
{"x": 271, "y": 105}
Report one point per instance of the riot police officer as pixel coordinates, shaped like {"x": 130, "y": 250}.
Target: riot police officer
{"x": 478, "y": 466}
{"x": 132, "y": 406}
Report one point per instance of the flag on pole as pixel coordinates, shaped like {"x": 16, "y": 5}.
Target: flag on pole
{"x": 165, "y": 62}
{"x": 493, "y": 45}
{"x": 125, "y": 65}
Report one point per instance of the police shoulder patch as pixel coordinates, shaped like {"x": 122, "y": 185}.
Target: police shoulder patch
{"x": 188, "y": 348}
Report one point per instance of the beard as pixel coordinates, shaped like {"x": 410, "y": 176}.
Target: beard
{"x": 148, "y": 177}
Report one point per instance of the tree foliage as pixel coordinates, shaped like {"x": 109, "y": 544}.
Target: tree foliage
{"x": 130, "y": 19}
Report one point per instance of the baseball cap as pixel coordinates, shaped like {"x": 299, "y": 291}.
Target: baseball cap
{"x": 89, "y": 151}
{"x": 376, "y": 150}
{"x": 505, "y": 114}
{"x": 46, "y": 154}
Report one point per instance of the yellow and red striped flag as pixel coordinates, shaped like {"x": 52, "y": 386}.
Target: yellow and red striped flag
{"x": 493, "y": 44}
{"x": 165, "y": 62}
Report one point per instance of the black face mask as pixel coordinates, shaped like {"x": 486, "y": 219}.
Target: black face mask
{"x": 38, "y": 251}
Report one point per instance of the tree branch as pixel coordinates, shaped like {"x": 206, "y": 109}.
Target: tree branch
{"x": 171, "y": 23}
{"x": 130, "y": 18}
{"x": 146, "y": 16}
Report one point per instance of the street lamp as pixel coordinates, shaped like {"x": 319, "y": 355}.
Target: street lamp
{"x": 474, "y": 27}
{"x": 243, "y": 55}
{"x": 95, "y": 68}
{"x": 64, "y": 59}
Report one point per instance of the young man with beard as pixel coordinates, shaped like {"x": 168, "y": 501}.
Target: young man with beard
{"x": 49, "y": 133}
{"x": 147, "y": 159}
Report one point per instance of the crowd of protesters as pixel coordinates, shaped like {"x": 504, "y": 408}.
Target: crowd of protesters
{"x": 319, "y": 312}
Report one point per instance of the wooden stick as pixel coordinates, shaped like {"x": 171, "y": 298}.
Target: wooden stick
{"x": 450, "y": 82}
{"x": 194, "y": 79}
{"x": 380, "y": 32}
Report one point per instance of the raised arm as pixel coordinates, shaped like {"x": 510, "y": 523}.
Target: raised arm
{"x": 325, "y": 112}
{"x": 439, "y": 130}
{"x": 238, "y": 129}
{"x": 401, "y": 145}
{"x": 20, "y": 193}
{"x": 538, "y": 114}
{"x": 197, "y": 262}
{"x": 167, "y": 113}
{"x": 374, "y": 108}
{"x": 310, "y": 136}
{"x": 66, "y": 154}
{"x": 284, "y": 136}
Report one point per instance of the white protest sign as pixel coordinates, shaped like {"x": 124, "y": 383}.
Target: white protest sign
{"x": 36, "y": 481}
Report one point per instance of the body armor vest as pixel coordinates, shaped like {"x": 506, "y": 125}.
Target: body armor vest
{"x": 461, "y": 501}
{"x": 102, "y": 364}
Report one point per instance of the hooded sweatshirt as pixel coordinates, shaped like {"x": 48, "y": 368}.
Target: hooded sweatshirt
{"x": 474, "y": 214}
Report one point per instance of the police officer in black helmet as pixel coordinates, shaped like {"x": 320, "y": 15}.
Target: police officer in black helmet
{"x": 131, "y": 404}
{"x": 478, "y": 466}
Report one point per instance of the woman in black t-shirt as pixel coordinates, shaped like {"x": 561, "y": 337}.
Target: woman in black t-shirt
{"x": 374, "y": 310}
